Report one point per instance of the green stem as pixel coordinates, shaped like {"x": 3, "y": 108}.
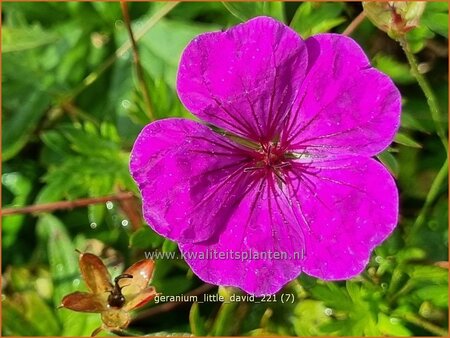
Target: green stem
{"x": 92, "y": 77}
{"x": 226, "y": 316}
{"x": 432, "y": 196}
{"x": 397, "y": 276}
{"x": 419, "y": 321}
{"x": 233, "y": 11}
{"x": 137, "y": 63}
{"x": 405, "y": 289}
{"x": 431, "y": 98}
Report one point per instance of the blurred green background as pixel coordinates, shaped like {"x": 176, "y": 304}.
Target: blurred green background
{"x": 71, "y": 109}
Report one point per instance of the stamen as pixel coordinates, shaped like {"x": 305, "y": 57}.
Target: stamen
{"x": 249, "y": 169}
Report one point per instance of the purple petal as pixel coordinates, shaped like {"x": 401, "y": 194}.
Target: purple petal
{"x": 262, "y": 224}
{"x": 348, "y": 106}
{"x": 188, "y": 177}
{"x": 349, "y": 207}
{"x": 245, "y": 79}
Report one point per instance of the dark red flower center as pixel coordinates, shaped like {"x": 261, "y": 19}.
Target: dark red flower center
{"x": 271, "y": 157}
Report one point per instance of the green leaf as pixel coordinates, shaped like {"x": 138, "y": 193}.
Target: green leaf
{"x": 310, "y": 316}
{"x": 145, "y": 238}
{"x": 167, "y": 334}
{"x": 62, "y": 256}
{"x": 314, "y": 17}
{"x": 354, "y": 291}
{"x": 398, "y": 71}
{"x": 101, "y": 186}
{"x": 169, "y": 246}
{"x": 426, "y": 273}
{"x": 418, "y": 37}
{"x": 161, "y": 47}
{"x": 437, "y": 22}
{"x": 437, "y": 294}
{"x": 333, "y": 296}
{"x": 18, "y": 126}
{"x": 196, "y": 322}
{"x": 436, "y": 6}
{"x": 15, "y": 323}
{"x": 389, "y": 161}
{"x": 435, "y": 17}
{"x": 406, "y": 141}
{"x": 88, "y": 142}
{"x": 66, "y": 276}
{"x": 391, "y": 326}
{"x": 410, "y": 254}
{"x": 20, "y": 186}
{"x": 225, "y": 320}
{"x": 248, "y": 10}
{"x": 172, "y": 285}
{"x": 16, "y": 39}
{"x": 40, "y": 314}
{"x": 84, "y": 172}
{"x": 56, "y": 142}
{"x": 409, "y": 121}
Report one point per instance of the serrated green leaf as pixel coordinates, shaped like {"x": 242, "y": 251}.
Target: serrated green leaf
{"x": 56, "y": 141}
{"x": 333, "y": 296}
{"x": 83, "y": 171}
{"x": 87, "y": 142}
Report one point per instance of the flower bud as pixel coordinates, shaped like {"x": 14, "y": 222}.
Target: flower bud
{"x": 395, "y": 17}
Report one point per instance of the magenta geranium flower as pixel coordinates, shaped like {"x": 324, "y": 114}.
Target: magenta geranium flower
{"x": 279, "y": 166}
